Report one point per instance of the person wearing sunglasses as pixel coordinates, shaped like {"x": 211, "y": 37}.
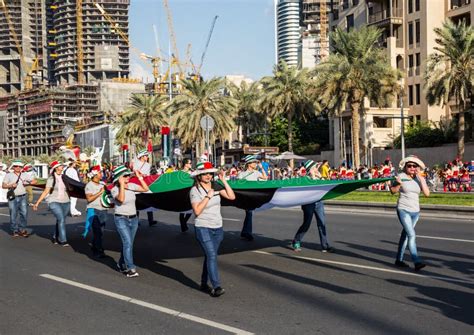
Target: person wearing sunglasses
{"x": 410, "y": 183}
{"x": 125, "y": 216}
{"x": 205, "y": 199}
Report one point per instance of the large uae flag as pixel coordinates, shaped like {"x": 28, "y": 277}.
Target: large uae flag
{"x": 170, "y": 191}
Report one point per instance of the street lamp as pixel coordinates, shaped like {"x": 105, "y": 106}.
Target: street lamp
{"x": 402, "y": 126}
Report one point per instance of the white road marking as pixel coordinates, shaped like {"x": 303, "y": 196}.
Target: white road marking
{"x": 105, "y": 229}
{"x": 4, "y": 214}
{"x": 317, "y": 260}
{"x": 228, "y": 219}
{"x": 145, "y": 304}
{"x": 445, "y": 238}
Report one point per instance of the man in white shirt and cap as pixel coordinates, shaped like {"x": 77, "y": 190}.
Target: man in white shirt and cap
{"x": 141, "y": 164}
{"x": 250, "y": 173}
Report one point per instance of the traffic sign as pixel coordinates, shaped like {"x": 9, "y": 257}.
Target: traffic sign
{"x": 207, "y": 122}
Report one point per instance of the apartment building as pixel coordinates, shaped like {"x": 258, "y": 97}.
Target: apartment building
{"x": 408, "y": 37}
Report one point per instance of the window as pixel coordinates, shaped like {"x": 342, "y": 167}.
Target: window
{"x": 345, "y": 4}
{"x": 410, "y": 33}
{"x": 417, "y": 5}
{"x": 418, "y": 63}
{"x": 349, "y": 21}
{"x": 418, "y": 94}
{"x": 410, "y": 6}
{"x": 410, "y": 65}
{"x": 418, "y": 31}
{"x": 381, "y": 122}
{"x": 410, "y": 95}
{"x": 355, "y": 2}
{"x": 336, "y": 14}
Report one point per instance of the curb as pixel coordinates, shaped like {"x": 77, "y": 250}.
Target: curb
{"x": 440, "y": 211}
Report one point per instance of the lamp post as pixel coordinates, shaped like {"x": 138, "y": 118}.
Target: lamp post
{"x": 402, "y": 126}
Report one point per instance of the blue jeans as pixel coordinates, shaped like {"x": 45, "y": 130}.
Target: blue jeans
{"x": 127, "y": 228}
{"x": 210, "y": 240}
{"x": 408, "y": 236}
{"x": 18, "y": 206}
{"x": 60, "y": 211}
{"x": 98, "y": 223}
{"x": 247, "y": 228}
{"x": 316, "y": 208}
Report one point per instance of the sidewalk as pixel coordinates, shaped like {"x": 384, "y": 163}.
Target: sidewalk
{"x": 440, "y": 211}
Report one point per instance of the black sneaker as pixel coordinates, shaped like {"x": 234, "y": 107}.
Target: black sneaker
{"x": 401, "y": 264}
{"x": 205, "y": 288}
{"x": 419, "y": 266}
{"x": 329, "y": 249}
{"x": 120, "y": 268}
{"x": 152, "y": 223}
{"x": 131, "y": 274}
{"x": 54, "y": 240}
{"x": 217, "y": 292}
{"x": 64, "y": 244}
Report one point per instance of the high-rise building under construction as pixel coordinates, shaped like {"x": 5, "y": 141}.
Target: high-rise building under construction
{"x": 81, "y": 38}
{"x": 22, "y": 41}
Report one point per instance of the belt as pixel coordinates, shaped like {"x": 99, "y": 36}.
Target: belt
{"x": 22, "y": 195}
{"x": 127, "y": 216}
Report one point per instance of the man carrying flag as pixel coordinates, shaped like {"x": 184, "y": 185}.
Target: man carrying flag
{"x": 141, "y": 164}
{"x": 251, "y": 173}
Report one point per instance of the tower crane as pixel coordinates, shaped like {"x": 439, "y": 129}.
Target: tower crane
{"x": 172, "y": 35}
{"x": 207, "y": 45}
{"x": 155, "y": 60}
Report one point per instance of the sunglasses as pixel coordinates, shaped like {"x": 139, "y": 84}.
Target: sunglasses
{"x": 412, "y": 166}
{"x": 207, "y": 173}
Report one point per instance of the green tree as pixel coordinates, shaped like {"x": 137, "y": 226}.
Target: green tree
{"x": 449, "y": 72}
{"x": 197, "y": 99}
{"x": 286, "y": 94}
{"x": 357, "y": 69}
{"x": 142, "y": 119}
{"x": 248, "y": 117}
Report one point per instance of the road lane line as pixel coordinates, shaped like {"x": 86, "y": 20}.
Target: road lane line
{"x": 445, "y": 238}
{"x": 145, "y": 304}
{"x": 317, "y": 260}
{"x": 4, "y": 214}
{"x": 228, "y": 219}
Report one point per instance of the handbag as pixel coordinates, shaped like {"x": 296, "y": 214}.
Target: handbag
{"x": 11, "y": 191}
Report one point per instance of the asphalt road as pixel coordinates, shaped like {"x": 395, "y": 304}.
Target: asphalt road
{"x": 48, "y": 289}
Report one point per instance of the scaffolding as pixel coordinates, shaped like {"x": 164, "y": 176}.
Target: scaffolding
{"x": 315, "y": 34}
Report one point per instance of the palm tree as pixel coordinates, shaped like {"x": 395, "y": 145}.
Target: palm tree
{"x": 142, "y": 119}
{"x": 248, "y": 116}
{"x": 197, "y": 99}
{"x": 286, "y": 94}
{"x": 357, "y": 69}
{"x": 450, "y": 71}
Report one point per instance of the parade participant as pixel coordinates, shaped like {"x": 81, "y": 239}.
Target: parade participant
{"x": 316, "y": 208}
{"x": 184, "y": 217}
{"x": 71, "y": 172}
{"x": 233, "y": 172}
{"x": 16, "y": 182}
{"x": 324, "y": 170}
{"x": 409, "y": 184}
{"x": 58, "y": 201}
{"x": 96, "y": 212}
{"x": 206, "y": 203}
{"x": 251, "y": 173}
{"x": 141, "y": 164}
{"x": 3, "y": 173}
{"x": 29, "y": 173}
{"x": 126, "y": 219}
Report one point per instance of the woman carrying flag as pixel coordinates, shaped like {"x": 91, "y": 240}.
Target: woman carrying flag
{"x": 206, "y": 203}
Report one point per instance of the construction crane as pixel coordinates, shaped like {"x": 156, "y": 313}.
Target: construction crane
{"x": 155, "y": 60}
{"x": 80, "y": 46}
{"x": 172, "y": 35}
{"x": 28, "y": 70}
{"x": 207, "y": 45}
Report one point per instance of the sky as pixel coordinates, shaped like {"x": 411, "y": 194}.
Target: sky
{"x": 242, "y": 42}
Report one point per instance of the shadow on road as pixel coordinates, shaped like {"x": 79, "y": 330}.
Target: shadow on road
{"x": 456, "y": 305}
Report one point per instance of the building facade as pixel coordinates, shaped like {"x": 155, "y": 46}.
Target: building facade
{"x": 22, "y": 40}
{"x": 408, "y": 38}
{"x": 288, "y": 31}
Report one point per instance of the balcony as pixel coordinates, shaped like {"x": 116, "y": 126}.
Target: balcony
{"x": 386, "y": 17}
{"x": 455, "y": 4}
